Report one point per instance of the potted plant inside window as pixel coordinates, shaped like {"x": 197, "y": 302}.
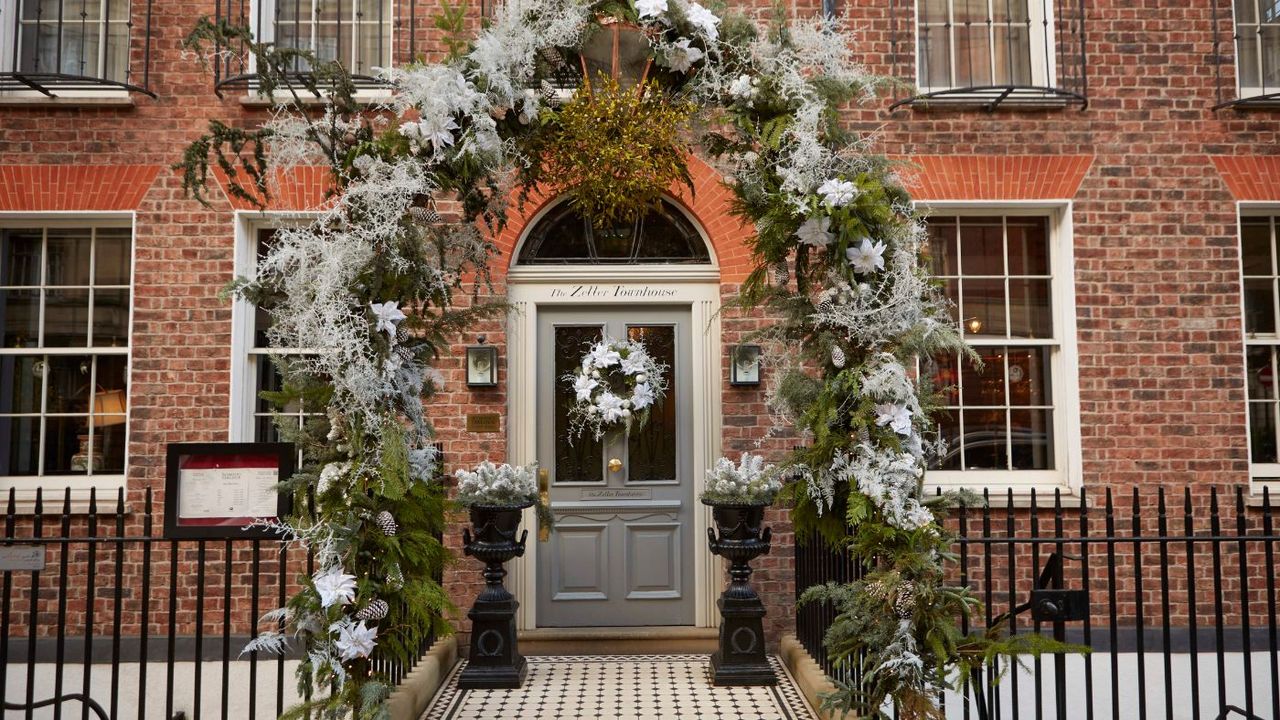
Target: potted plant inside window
{"x": 495, "y": 495}
{"x": 738, "y": 495}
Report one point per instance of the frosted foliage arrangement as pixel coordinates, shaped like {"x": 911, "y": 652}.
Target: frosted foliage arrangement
{"x": 751, "y": 481}
{"x": 500, "y": 485}
{"x": 367, "y": 291}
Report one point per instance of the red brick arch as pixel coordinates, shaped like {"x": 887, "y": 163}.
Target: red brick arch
{"x": 709, "y": 205}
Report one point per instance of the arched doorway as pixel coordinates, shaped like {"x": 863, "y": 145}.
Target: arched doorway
{"x": 626, "y": 550}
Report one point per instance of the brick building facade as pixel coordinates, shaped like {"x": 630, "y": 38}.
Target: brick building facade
{"x": 1122, "y": 279}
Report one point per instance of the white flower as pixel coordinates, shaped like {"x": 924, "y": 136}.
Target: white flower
{"x": 388, "y": 315}
{"x": 355, "y": 640}
{"x": 529, "y": 107}
{"x": 815, "y": 232}
{"x": 897, "y": 417}
{"x": 331, "y": 472}
{"x": 583, "y": 387}
{"x": 437, "y": 129}
{"x": 744, "y": 87}
{"x": 334, "y": 586}
{"x": 635, "y": 362}
{"x": 836, "y": 192}
{"x": 704, "y": 20}
{"x": 682, "y": 57}
{"x": 611, "y": 407}
{"x": 650, "y": 8}
{"x": 643, "y": 396}
{"x": 604, "y": 355}
{"x": 867, "y": 256}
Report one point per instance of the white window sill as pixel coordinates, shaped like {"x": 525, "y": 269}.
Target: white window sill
{"x": 1008, "y": 489}
{"x": 284, "y": 97}
{"x": 54, "y": 498}
{"x": 104, "y": 99}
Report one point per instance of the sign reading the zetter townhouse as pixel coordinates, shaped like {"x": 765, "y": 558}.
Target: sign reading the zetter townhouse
{"x": 602, "y": 292}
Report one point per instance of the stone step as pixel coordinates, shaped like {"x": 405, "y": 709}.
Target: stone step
{"x": 656, "y": 640}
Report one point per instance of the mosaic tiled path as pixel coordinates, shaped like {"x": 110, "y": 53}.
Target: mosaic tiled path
{"x": 621, "y": 687}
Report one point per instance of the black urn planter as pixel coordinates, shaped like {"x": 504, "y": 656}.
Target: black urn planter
{"x": 495, "y": 660}
{"x": 741, "y": 658}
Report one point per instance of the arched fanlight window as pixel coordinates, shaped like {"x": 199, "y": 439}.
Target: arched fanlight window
{"x": 663, "y": 236}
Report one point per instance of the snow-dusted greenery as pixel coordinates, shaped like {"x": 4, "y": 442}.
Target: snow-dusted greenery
{"x": 501, "y": 485}
{"x": 420, "y": 186}
{"x": 751, "y": 481}
{"x": 617, "y": 385}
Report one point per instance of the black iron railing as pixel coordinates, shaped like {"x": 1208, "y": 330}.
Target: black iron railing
{"x": 1246, "y": 54}
{"x": 1179, "y": 598}
{"x": 63, "y": 47}
{"x": 106, "y": 614}
{"x": 363, "y": 35}
{"x": 1015, "y": 53}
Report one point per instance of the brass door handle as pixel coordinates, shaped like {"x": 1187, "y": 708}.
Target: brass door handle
{"x": 544, "y": 496}
{"x": 615, "y": 464}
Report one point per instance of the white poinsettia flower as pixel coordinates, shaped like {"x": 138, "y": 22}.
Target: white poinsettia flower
{"x": 583, "y": 386}
{"x": 437, "y": 129}
{"x": 388, "y": 315}
{"x": 651, "y": 8}
{"x": 704, "y": 20}
{"x": 897, "y": 417}
{"x": 603, "y": 355}
{"x": 643, "y": 396}
{"x": 355, "y": 640}
{"x": 815, "y": 232}
{"x": 682, "y": 57}
{"x": 334, "y": 586}
{"x": 867, "y": 256}
{"x": 635, "y": 362}
{"x": 744, "y": 87}
{"x": 836, "y": 192}
{"x": 610, "y": 406}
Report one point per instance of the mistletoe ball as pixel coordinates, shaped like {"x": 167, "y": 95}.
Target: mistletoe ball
{"x": 617, "y": 384}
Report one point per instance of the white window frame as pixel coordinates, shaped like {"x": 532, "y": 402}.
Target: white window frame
{"x": 1067, "y": 476}
{"x": 1246, "y": 91}
{"x": 54, "y": 486}
{"x": 1260, "y": 474}
{"x": 265, "y": 11}
{"x": 1043, "y": 51}
{"x": 9, "y": 42}
{"x": 245, "y": 356}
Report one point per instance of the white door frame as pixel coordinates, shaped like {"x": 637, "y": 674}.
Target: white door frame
{"x": 698, "y": 288}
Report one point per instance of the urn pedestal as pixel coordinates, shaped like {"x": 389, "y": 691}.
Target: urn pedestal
{"x": 495, "y": 660}
{"x": 740, "y": 659}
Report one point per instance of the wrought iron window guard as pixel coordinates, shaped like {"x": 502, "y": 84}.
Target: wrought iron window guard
{"x": 71, "y": 50}
{"x": 1050, "y": 71}
{"x": 396, "y": 41}
{"x": 1245, "y": 38}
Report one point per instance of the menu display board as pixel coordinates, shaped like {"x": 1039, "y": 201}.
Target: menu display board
{"x": 215, "y": 490}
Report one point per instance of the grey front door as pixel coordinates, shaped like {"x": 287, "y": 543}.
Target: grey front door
{"x": 622, "y": 550}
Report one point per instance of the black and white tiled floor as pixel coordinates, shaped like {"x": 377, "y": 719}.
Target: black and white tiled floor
{"x": 621, "y": 687}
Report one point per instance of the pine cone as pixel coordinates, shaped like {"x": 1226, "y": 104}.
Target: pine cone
{"x": 781, "y": 275}
{"x": 877, "y": 589}
{"x": 402, "y": 333}
{"x": 388, "y": 523}
{"x": 424, "y": 215}
{"x": 553, "y": 57}
{"x": 905, "y": 604}
{"x": 549, "y": 93}
{"x": 825, "y": 306}
{"x": 394, "y": 578}
{"x": 375, "y": 610}
{"x": 837, "y": 356}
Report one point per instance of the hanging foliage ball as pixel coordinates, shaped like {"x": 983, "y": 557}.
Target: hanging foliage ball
{"x": 375, "y": 610}
{"x": 387, "y": 522}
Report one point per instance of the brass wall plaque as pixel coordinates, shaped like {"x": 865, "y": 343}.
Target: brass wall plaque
{"x": 484, "y": 423}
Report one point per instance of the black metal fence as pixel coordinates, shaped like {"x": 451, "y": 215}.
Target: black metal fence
{"x": 1174, "y": 593}
{"x": 100, "y": 615}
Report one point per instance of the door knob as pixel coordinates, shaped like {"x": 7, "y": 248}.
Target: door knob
{"x": 615, "y": 464}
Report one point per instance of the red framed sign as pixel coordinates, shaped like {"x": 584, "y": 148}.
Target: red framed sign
{"x": 215, "y": 490}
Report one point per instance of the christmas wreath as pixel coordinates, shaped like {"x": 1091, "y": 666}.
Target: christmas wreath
{"x": 617, "y": 384}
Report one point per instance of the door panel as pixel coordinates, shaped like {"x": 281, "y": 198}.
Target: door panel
{"x": 622, "y": 550}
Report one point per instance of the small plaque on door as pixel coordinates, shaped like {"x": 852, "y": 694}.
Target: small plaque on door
{"x": 617, "y": 494}
{"x": 484, "y": 423}
{"x": 22, "y": 557}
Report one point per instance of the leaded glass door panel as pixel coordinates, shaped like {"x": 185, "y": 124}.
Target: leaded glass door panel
{"x": 622, "y": 552}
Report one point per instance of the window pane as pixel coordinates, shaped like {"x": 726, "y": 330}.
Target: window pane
{"x": 80, "y": 48}
{"x": 20, "y": 310}
{"x": 971, "y": 11}
{"x": 984, "y": 386}
{"x": 68, "y": 257}
{"x": 66, "y": 446}
{"x": 21, "y": 446}
{"x": 982, "y": 246}
{"x": 949, "y": 433}
{"x": 582, "y": 459}
{"x": 946, "y": 379}
{"x": 1246, "y": 11}
{"x": 1028, "y": 246}
{"x": 1269, "y": 40}
{"x": 951, "y": 290}
{"x": 1261, "y": 373}
{"x": 1262, "y": 432}
{"x": 652, "y": 450}
{"x": 112, "y": 380}
{"x": 66, "y": 318}
{"x": 973, "y": 55}
{"x": 1031, "y": 437}
{"x": 933, "y": 10}
{"x": 1012, "y": 55}
{"x": 1255, "y": 246}
{"x": 374, "y": 49}
{"x": 109, "y": 443}
{"x": 110, "y": 318}
{"x": 20, "y": 383}
{"x": 1030, "y": 314}
{"x": 986, "y": 440}
{"x": 1247, "y": 56}
{"x": 1259, "y": 306}
{"x": 1014, "y": 11}
{"x": 942, "y": 246}
{"x": 983, "y": 308}
{"x": 20, "y": 257}
{"x": 112, "y": 250}
{"x": 68, "y": 378}
{"x": 1029, "y": 376}
{"x": 933, "y": 47}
